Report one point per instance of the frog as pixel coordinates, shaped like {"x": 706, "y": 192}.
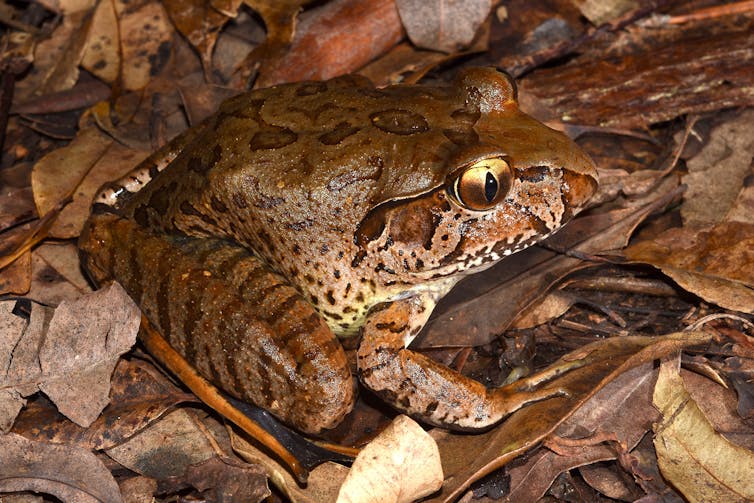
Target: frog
{"x": 306, "y": 214}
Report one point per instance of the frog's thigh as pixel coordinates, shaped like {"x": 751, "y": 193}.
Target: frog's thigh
{"x": 422, "y": 387}
{"x": 241, "y": 325}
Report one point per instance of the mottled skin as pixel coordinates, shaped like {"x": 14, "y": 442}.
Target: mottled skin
{"x": 308, "y": 211}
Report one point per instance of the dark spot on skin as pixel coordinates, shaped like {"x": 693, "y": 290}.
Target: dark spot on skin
{"x": 153, "y": 171}
{"x": 339, "y": 182}
{"x": 340, "y": 133}
{"x": 348, "y": 289}
{"x": 272, "y": 138}
{"x": 330, "y": 297}
{"x": 444, "y": 237}
{"x": 298, "y": 226}
{"x": 400, "y": 122}
{"x": 324, "y": 249}
{"x": 141, "y": 216}
{"x": 314, "y": 300}
{"x": 382, "y": 267}
{"x": 535, "y": 174}
{"x": 239, "y": 199}
{"x": 160, "y": 200}
{"x": 195, "y": 164}
{"x": 336, "y": 273}
{"x": 340, "y": 255}
{"x": 461, "y": 137}
{"x": 311, "y": 88}
{"x": 463, "y": 115}
{"x": 360, "y": 297}
{"x": 309, "y": 279}
{"x": 187, "y": 209}
{"x": 217, "y": 154}
{"x": 360, "y": 256}
{"x": 344, "y": 325}
{"x": 218, "y": 205}
{"x": 334, "y": 316}
{"x": 296, "y": 249}
{"x": 419, "y": 263}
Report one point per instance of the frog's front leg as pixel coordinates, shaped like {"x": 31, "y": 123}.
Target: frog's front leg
{"x": 424, "y": 388}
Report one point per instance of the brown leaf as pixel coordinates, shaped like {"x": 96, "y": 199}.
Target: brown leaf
{"x": 140, "y": 395}
{"x": 92, "y": 157}
{"x": 402, "y": 464}
{"x": 11, "y": 332}
{"x": 467, "y": 458}
{"x": 715, "y": 263}
{"x": 696, "y": 459}
{"x": 166, "y": 448}
{"x": 56, "y": 274}
{"x": 443, "y": 25}
{"x": 71, "y": 353}
{"x": 225, "y": 480}
{"x": 623, "y": 408}
{"x": 323, "y": 484}
{"x": 716, "y": 173}
{"x": 67, "y": 472}
{"x": 200, "y": 23}
{"x": 16, "y": 277}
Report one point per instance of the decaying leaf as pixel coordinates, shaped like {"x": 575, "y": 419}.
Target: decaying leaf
{"x": 717, "y": 172}
{"x": 226, "y": 480}
{"x": 623, "y": 408}
{"x": 139, "y": 396}
{"x": 402, "y": 464}
{"x": 715, "y": 263}
{"x": 695, "y": 458}
{"x": 467, "y": 458}
{"x": 67, "y": 472}
{"x": 90, "y": 160}
{"x": 323, "y": 484}
{"x": 166, "y": 448}
{"x": 69, "y": 354}
{"x": 200, "y": 23}
{"x": 443, "y": 25}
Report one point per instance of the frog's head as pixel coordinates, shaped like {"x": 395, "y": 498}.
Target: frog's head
{"x": 520, "y": 182}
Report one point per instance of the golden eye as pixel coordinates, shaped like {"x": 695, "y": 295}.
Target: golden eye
{"x": 483, "y": 184}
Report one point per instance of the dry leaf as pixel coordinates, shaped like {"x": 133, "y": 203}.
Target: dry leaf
{"x": 11, "y": 331}
{"x": 92, "y": 157}
{"x": 166, "y": 448}
{"x": 71, "y": 353}
{"x": 467, "y": 458}
{"x": 716, "y": 263}
{"x": 402, "y": 464}
{"x": 600, "y": 12}
{"x": 717, "y": 172}
{"x": 323, "y": 483}
{"x": 225, "y": 480}
{"x": 200, "y": 23}
{"x": 67, "y": 472}
{"x": 140, "y": 395}
{"x": 696, "y": 459}
{"x": 443, "y": 25}
{"x": 623, "y": 408}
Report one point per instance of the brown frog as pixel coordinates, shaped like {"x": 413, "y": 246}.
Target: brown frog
{"x": 310, "y": 211}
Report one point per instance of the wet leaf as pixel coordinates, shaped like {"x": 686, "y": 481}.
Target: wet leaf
{"x": 67, "y": 472}
{"x": 402, "y": 464}
{"x": 467, "y": 458}
{"x": 69, "y": 354}
{"x": 442, "y": 25}
{"x": 695, "y": 458}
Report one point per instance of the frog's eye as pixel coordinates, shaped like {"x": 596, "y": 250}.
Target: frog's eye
{"x": 483, "y": 184}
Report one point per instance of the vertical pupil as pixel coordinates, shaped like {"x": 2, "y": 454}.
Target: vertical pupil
{"x": 490, "y": 187}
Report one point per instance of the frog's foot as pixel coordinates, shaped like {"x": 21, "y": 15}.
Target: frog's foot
{"x": 240, "y": 325}
{"x": 428, "y": 390}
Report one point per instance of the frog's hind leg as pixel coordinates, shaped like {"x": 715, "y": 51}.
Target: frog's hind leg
{"x": 426, "y": 389}
{"x": 242, "y": 326}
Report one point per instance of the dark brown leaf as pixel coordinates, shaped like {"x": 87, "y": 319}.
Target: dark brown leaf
{"x": 67, "y": 472}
